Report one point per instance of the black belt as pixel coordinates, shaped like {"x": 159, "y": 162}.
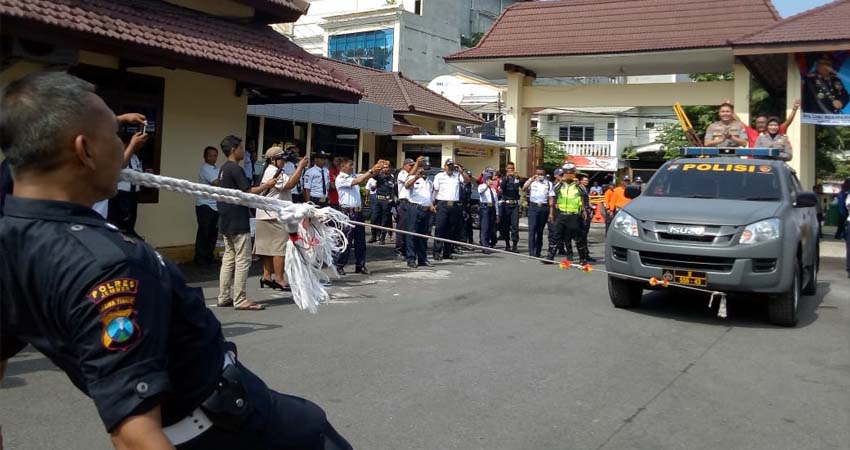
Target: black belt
{"x": 319, "y": 199}
{"x": 352, "y": 209}
{"x": 403, "y": 200}
{"x": 539, "y": 205}
{"x": 422, "y": 207}
{"x": 568, "y": 213}
{"x": 511, "y": 202}
{"x": 489, "y": 205}
{"x": 383, "y": 197}
{"x": 448, "y": 203}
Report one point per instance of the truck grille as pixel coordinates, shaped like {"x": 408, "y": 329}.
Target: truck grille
{"x": 686, "y": 238}
{"x": 695, "y": 262}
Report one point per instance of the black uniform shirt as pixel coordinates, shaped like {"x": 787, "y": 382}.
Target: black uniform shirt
{"x": 384, "y": 185}
{"x": 233, "y": 219}
{"x": 106, "y": 309}
{"x": 510, "y": 188}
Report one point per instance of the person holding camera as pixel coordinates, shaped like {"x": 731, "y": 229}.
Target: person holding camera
{"x": 509, "y": 187}
{"x": 488, "y": 205}
{"x": 567, "y": 211}
{"x": 350, "y": 203}
{"x": 270, "y": 235}
{"x": 539, "y": 191}
{"x": 289, "y": 169}
{"x": 383, "y": 203}
{"x": 401, "y": 206}
{"x": 449, "y": 214}
{"x": 419, "y": 211}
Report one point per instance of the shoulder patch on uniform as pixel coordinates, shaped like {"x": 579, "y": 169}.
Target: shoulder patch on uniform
{"x": 112, "y": 288}
{"x": 116, "y": 300}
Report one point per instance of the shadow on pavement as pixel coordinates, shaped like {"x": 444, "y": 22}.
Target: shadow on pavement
{"x": 236, "y": 329}
{"x": 748, "y": 311}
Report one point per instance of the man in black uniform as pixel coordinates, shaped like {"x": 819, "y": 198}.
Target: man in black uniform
{"x": 510, "y": 186}
{"x": 106, "y": 308}
{"x": 382, "y": 209}
{"x": 466, "y": 204}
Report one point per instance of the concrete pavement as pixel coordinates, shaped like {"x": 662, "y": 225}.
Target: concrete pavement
{"x": 497, "y": 352}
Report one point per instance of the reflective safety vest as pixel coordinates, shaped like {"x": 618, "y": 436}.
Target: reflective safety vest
{"x": 569, "y": 198}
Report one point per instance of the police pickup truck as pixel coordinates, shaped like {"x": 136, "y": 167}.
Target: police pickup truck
{"x": 724, "y": 219}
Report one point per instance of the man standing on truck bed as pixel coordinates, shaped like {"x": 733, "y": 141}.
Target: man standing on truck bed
{"x": 727, "y": 132}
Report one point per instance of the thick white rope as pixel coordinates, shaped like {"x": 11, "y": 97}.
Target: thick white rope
{"x": 315, "y": 234}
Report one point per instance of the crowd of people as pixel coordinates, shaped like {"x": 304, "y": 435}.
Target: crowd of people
{"x": 412, "y": 198}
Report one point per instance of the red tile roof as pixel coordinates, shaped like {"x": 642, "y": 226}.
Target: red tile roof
{"x": 404, "y": 96}
{"x": 589, "y": 27}
{"x": 828, "y": 23}
{"x": 279, "y": 11}
{"x": 156, "y": 32}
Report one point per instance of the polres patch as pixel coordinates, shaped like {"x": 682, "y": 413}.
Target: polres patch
{"x": 111, "y": 288}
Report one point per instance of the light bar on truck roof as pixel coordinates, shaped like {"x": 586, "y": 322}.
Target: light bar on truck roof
{"x": 714, "y": 152}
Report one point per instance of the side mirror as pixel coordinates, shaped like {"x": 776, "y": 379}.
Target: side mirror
{"x": 632, "y": 191}
{"x": 806, "y": 200}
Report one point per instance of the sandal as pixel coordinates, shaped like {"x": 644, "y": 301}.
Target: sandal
{"x": 248, "y": 306}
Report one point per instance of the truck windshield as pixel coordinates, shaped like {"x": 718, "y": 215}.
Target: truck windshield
{"x": 726, "y": 181}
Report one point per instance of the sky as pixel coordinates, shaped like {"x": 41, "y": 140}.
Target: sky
{"x": 788, "y": 8}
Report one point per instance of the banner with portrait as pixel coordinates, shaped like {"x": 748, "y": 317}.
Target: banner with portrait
{"x": 826, "y": 78}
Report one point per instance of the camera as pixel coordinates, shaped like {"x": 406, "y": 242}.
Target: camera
{"x": 290, "y": 155}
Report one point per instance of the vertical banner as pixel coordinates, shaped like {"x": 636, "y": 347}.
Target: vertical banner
{"x": 826, "y": 78}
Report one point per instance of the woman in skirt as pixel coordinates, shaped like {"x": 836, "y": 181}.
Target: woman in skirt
{"x": 270, "y": 236}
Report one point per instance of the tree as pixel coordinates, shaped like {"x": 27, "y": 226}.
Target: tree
{"x": 553, "y": 154}
{"x": 472, "y": 40}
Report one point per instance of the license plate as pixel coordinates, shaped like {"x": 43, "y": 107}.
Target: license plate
{"x": 685, "y": 277}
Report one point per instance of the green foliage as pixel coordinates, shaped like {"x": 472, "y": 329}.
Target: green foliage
{"x": 553, "y": 154}
{"x": 629, "y": 152}
{"x": 832, "y": 143}
{"x": 710, "y": 76}
{"x": 472, "y": 40}
{"x": 672, "y": 137}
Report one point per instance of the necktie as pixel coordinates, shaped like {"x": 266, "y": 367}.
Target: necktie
{"x": 323, "y": 182}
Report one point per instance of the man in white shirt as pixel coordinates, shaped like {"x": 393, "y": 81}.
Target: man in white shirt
{"x": 539, "y": 192}
{"x": 420, "y": 207}
{"x": 348, "y": 187}
{"x": 447, "y": 186}
{"x": 488, "y": 205}
{"x": 206, "y": 211}
{"x": 316, "y": 183}
{"x": 401, "y": 206}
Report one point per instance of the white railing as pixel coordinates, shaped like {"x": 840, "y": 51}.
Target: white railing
{"x": 588, "y": 148}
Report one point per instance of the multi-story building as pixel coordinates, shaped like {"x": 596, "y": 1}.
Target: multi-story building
{"x": 408, "y": 36}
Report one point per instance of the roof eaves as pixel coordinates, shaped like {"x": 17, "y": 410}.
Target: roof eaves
{"x": 397, "y": 78}
{"x": 782, "y": 22}
{"x": 284, "y": 11}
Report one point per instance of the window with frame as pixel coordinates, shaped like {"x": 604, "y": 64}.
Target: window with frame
{"x": 611, "y": 131}
{"x": 373, "y": 49}
{"x": 417, "y": 7}
{"x": 576, "y": 133}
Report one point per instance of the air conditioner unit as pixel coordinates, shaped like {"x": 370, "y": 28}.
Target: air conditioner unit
{"x": 55, "y": 55}
{"x": 552, "y": 118}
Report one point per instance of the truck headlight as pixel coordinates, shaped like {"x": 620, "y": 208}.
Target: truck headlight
{"x": 762, "y": 231}
{"x": 625, "y": 223}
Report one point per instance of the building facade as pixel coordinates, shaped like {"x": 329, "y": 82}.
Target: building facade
{"x": 408, "y": 36}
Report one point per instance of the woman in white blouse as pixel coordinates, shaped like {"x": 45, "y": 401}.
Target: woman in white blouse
{"x": 270, "y": 236}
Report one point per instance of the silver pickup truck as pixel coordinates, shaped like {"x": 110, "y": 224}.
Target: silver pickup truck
{"x": 722, "y": 223}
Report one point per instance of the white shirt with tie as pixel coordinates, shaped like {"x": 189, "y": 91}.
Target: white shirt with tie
{"x": 317, "y": 180}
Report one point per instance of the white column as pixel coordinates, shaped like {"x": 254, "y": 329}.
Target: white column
{"x": 260, "y": 147}
{"x": 309, "y": 143}
{"x": 742, "y": 93}
{"x": 801, "y": 136}
{"x": 517, "y": 120}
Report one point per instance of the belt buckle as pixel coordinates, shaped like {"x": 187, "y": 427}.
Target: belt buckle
{"x": 190, "y": 427}
{"x": 450, "y": 203}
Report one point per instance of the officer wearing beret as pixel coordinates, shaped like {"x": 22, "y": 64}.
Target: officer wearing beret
{"x": 111, "y": 313}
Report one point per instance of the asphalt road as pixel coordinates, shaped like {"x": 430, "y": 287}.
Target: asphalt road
{"x": 497, "y": 352}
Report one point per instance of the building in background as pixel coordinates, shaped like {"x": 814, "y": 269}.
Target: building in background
{"x": 408, "y": 36}
{"x": 478, "y": 96}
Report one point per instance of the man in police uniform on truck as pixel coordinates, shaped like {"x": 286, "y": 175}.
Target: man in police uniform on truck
{"x": 111, "y": 313}
{"x": 726, "y": 132}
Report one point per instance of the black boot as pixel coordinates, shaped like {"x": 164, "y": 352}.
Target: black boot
{"x": 507, "y": 246}
{"x": 513, "y": 248}
{"x": 383, "y": 239}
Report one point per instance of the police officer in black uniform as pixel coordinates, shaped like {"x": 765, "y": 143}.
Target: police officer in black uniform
{"x": 382, "y": 208}
{"x": 466, "y": 205}
{"x": 104, "y": 307}
{"x": 510, "y": 186}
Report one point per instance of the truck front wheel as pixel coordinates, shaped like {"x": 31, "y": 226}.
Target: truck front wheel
{"x": 624, "y": 293}
{"x": 782, "y": 308}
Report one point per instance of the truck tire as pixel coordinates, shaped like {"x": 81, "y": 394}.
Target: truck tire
{"x": 782, "y": 308}
{"x": 811, "y": 287}
{"x": 624, "y": 293}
